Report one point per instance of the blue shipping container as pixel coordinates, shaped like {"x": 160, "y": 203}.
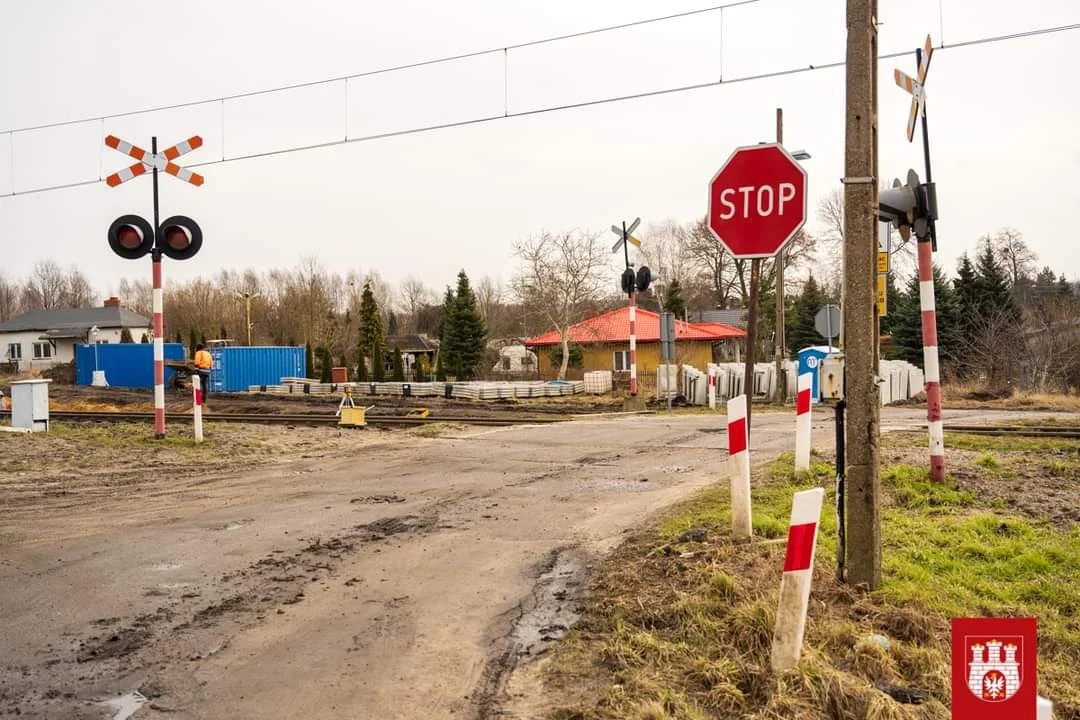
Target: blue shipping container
{"x": 129, "y": 365}
{"x": 238, "y": 368}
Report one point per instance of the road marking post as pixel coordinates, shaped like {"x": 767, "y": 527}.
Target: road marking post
{"x": 802, "y": 424}
{"x": 739, "y": 460}
{"x": 197, "y": 397}
{"x": 795, "y": 585}
{"x": 712, "y": 386}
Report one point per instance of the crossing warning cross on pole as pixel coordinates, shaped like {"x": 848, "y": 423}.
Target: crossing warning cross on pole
{"x": 917, "y": 88}
{"x": 150, "y": 161}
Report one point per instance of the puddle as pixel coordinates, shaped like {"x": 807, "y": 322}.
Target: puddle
{"x": 165, "y": 566}
{"x": 126, "y": 705}
{"x": 555, "y": 608}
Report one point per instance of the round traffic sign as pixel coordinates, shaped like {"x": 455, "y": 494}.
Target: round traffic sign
{"x": 757, "y": 201}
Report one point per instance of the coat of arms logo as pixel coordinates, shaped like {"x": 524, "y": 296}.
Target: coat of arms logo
{"x": 994, "y": 667}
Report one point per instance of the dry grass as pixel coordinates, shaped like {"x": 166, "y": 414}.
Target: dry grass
{"x": 970, "y": 395}
{"x": 676, "y": 630}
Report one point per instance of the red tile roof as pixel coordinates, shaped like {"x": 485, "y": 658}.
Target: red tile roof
{"x": 614, "y": 327}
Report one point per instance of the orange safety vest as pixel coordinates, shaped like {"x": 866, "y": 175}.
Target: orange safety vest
{"x": 203, "y": 361}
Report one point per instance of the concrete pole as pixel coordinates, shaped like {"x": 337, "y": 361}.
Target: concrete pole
{"x": 860, "y": 308}
{"x": 779, "y": 351}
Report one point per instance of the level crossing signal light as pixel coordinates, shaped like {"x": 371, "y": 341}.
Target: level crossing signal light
{"x": 909, "y": 207}
{"x": 631, "y": 282}
{"x": 131, "y": 237}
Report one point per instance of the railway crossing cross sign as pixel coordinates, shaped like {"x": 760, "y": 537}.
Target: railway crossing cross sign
{"x": 154, "y": 161}
{"x": 916, "y": 87}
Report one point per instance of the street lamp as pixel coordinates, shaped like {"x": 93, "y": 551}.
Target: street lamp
{"x": 248, "y": 297}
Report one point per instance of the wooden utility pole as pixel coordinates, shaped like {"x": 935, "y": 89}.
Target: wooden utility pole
{"x": 860, "y": 307}
{"x": 779, "y": 350}
{"x": 751, "y": 338}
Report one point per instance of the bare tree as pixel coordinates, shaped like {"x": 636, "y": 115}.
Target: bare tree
{"x": 78, "y": 293}
{"x": 664, "y": 248}
{"x": 560, "y": 275}
{"x": 415, "y": 295}
{"x": 9, "y": 299}
{"x": 1019, "y": 260}
{"x": 489, "y": 301}
{"x": 992, "y": 349}
{"x": 46, "y": 288}
{"x": 711, "y": 261}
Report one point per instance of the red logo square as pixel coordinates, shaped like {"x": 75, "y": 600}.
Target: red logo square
{"x": 994, "y": 668}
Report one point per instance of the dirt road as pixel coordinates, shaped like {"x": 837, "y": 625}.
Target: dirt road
{"x": 402, "y": 578}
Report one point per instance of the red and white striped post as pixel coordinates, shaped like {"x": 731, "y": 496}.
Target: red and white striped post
{"x": 795, "y": 585}
{"x": 712, "y": 386}
{"x": 802, "y": 423}
{"x": 739, "y": 460}
{"x": 633, "y": 343}
{"x": 196, "y": 411}
{"x": 930, "y": 361}
{"x": 159, "y": 351}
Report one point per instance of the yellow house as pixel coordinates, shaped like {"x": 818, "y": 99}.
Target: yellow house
{"x": 605, "y": 342}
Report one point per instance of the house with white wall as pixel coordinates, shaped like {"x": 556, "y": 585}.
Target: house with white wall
{"x": 40, "y": 339}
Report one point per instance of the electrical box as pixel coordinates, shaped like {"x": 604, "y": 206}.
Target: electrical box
{"x": 831, "y": 377}
{"x": 30, "y": 405}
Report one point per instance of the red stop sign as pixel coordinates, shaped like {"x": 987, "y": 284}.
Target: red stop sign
{"x": 757, "y": 202}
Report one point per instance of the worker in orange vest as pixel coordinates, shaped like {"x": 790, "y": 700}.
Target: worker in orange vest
{"x": 204, "y": 363}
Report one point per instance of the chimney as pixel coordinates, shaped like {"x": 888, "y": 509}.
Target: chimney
{"x": 112, "y": 302}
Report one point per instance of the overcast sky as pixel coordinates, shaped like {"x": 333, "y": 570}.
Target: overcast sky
{"x": 1003, "y": 121}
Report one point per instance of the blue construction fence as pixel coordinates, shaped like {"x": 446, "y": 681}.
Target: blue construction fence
{"x": 129, "y": 365}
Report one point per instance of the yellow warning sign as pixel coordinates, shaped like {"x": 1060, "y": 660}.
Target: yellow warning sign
{"x": 883, "y": 262}
{"x": 882, "y": 296}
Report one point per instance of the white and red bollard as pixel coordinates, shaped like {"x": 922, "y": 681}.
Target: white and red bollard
{"x": 198, "y": 398}
{"x": 795, "y": 585}
{"x": 711, "y": 369}
{"x": 930, "y": 361}
{"x": 739, "y": 460}
{"x": 802, "y": 423}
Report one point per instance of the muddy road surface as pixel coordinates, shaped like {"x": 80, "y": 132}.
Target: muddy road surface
{"x": 405, "y": 577}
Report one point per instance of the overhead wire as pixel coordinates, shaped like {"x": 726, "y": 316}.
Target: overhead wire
{"x": 569, "y": 106}
{"x": 393, "y": 68}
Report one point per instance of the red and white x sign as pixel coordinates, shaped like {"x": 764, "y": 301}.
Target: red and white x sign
{"x": 149, "y": 161}
{"x": 917, "y": 88}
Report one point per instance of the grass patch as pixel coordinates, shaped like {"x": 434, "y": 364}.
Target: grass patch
{"x": 686, "y": 632}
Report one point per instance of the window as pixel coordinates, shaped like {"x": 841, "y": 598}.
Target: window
{"x": 14, "y": 351}
{"x": 622, "y": 360}
{"x": 42, "y": 350}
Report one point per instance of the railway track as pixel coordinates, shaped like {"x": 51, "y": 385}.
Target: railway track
{"x": 1044, "y": 431}
{"x": 301, "y": 419}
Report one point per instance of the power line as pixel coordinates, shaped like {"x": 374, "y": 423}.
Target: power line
{"x": 572, "y": 106}
{"x": 393, "y": 68}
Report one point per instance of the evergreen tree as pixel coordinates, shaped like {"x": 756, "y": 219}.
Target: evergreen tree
{"x": 145, "y": 340}
{"x": 325, "y": 373}
{"x": 378, "y": 362}
{"x": 675, "y": 304}
{"x": 440, "y": 369}
{"x": 992, "y": 284}
{"x": 202, "y": 338}
{"x": 906, "y": 320}
{"x": 800, "y": 330}
{"x": 464, "y": 333}
{"x": 371, "y": 334}
{"x": 361, "y": 369}
{"x": 391, "y": 324}
{"x": 125, "y": 336}
{"x": 420, "y": 369}
{"x": 179, "y": 338}
{"x": 399, "y": 365}
{"x": 192, "y": 342}
{"x": 309, "y": 361}
{"x": 224, "y": 334}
